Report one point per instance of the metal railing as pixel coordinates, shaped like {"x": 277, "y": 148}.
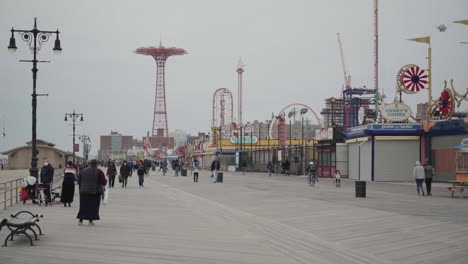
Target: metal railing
{"x": 9, "y": 190}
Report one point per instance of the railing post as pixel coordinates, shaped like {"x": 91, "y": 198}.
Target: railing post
{"x": 17, "y": 193}
{"x": 4, "y": 196}
{"x": 11, "y": 193}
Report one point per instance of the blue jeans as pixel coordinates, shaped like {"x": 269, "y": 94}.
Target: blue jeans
{"x": 177, "y": 169}
{"x": 141, "y": 179}
{"x": 269, "y": 172}
{"x": 419, "y": 186}
{"x": 311, "y": 177}
{"x": 215, "y": 175}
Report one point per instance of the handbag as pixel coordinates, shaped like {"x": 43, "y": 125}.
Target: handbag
{"x": 105, "y": 199}
{"x": 120, "y": 178}
{"x": 24, "y": 195}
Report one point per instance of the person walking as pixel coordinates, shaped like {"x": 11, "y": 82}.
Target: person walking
{"x": 68, "y": 184}
{"x": 269, "y": 168}
{"x": 215, "y": 166}
{"x": 428, "y": 173}
{"x": 111, "y": 173}
{"x": 164, "y": 167}
{"x": 177, "y": 167}
{"x": 287, "y": 165}
{"x": 195, "y": 170}
{"x": 311, "y": 172}
{"x": 337, "y": 178}
{"x": 125, "y": 172}
{"x": 141, "y": 173}
{"x": 91, "y": 182}
{"x": 47, "y": 178}
{"x": 418, "y": 174}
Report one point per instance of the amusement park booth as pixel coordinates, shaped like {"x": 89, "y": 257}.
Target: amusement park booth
{"x": 443, "y": 146}
{"x": 383, "y": 152}
{"x": 332, "y": 152}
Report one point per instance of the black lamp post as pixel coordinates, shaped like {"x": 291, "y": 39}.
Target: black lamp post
{"x": 35, "y": 38}
{"x": 332, "y": 104}
{"x": 74, "y": 116}
{"x": 86, "y": 146}
{"x": 303, "y": 112}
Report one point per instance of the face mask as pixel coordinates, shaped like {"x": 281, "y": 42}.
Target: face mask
{"x": 125, "y": 163}
{"x": 46, "y": 163}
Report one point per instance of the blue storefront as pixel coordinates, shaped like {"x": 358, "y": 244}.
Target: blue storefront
{"x": 383, "y": 152}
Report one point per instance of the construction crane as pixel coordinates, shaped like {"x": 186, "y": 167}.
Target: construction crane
{"x": 347, "y": 78}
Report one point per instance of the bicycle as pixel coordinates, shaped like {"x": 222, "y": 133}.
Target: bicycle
{"x": 313, "y": 178}
{"x": 41, "y": 196}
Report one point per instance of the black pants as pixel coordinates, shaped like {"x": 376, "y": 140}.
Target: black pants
{"x": 195, "y": 177}
{"x": 124, "y": 182}
{"x": 428, "y": 185}
{"x": 111, "y": 181}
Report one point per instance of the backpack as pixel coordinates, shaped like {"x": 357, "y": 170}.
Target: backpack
{"x": 141, "y": 169}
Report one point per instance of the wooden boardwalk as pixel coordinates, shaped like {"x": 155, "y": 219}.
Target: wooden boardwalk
{"x": 252, "y": 218}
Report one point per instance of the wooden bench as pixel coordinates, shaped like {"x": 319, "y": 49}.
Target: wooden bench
{"x": 20, "y": 223}
{"x": 455, "y": 189}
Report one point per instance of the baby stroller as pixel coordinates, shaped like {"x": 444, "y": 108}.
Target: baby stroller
{"x": 29, "y": 189}
{"x": 35, "y": 191}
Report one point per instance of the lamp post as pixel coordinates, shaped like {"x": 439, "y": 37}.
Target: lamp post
{"x": 74, "y": 116}
{"x": 35, "y": 38}
{"x": 303, "y": 112}
{"x": 86, "y": 146}
{"x": 290, "y": 115}
{"x": 268, "y": 138}
{"x": 332, "y": 104}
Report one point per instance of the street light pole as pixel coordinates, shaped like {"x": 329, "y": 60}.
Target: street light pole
{"x": 303, "y": 112}
{"x": 31, "y": 37}
{"x": 74, "y": 116}
{"x": 86, "y": 146}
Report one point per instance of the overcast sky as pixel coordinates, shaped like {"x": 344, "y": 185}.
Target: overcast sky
{"x": 290, "y": 49}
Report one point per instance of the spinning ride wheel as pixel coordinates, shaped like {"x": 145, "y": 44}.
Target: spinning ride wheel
{"x": 412, "y": 79}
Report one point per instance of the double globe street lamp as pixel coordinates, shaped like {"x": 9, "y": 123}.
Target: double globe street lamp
{"x": 35, "y": 39}
{"x": 74, "y": 116}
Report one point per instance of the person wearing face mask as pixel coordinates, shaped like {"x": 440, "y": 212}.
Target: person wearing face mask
{"x": 125, "y": 171}
{"x": 47, "y": 177}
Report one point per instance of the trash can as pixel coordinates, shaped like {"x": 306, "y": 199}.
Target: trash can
{"x": 184, "y": 172}
{"x": 360, "y": 189}
{"x": 220, "y": 177}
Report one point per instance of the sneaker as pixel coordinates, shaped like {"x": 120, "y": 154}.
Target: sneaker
{"x": 91, "y": 223}
{"x": 80, "y": 223}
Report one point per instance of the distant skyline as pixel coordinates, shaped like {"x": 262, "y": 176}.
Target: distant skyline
{"x": 289, "y": 47}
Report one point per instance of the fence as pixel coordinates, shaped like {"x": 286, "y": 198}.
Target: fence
{"x": 298, "y": 157}
{"x": 9, "y": 191}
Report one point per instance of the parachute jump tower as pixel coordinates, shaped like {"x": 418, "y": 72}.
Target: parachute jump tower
{"x": 160, "y": 55}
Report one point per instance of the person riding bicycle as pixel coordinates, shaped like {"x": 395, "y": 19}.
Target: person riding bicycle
{"x": 312, "y": 176}
{"x": 337, "y": 178}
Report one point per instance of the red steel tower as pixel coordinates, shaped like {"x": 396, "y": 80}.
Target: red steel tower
{"x": 160, "y": 55}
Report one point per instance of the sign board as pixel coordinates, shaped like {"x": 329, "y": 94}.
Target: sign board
{"x": 361, "y": 115}
{"x": 324, "y": 134}
{"x": 244, "y": 140}
{"x": 396, "y": 112}
{"x": 280, "y": 156}
{"x": 395, "y": 127}
{"x": 76, "y": 148}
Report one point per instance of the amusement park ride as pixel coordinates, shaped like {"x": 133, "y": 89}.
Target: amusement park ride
{"x": 411, "y": 79}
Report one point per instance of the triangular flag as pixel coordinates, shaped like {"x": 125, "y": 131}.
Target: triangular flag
{"x": 426, "y": 40}
{"x": 464, "y": 22}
